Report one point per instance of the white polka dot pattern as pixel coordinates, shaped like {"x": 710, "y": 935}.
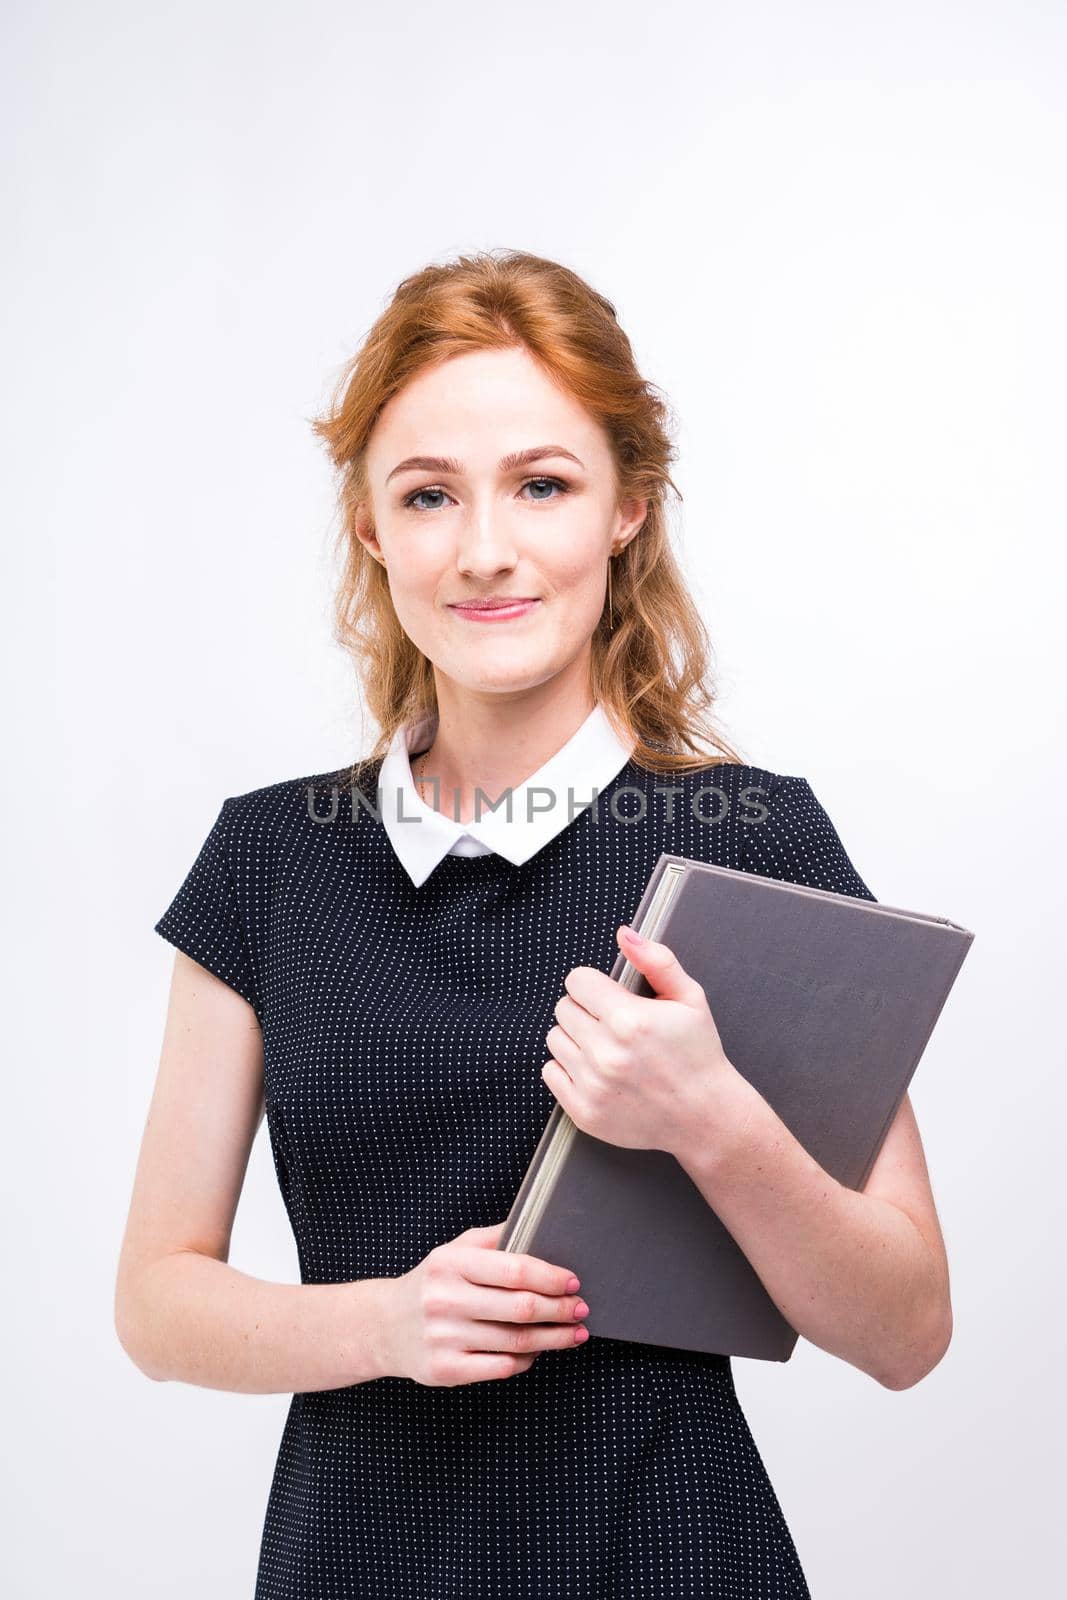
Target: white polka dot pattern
{"x": 403, "y": 1034}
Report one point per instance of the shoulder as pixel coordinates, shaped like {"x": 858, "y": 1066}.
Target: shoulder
{"x": 294, "y": 806}
{"x": 716, "y": 788}
{"x": 783, "y": 804}
{"x": 269, "y": 796}
{"x": 794, "y": 839}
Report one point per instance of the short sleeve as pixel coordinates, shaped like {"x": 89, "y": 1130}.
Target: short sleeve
{"x": 798, "y": 843}
{"x": 204, "y": 918}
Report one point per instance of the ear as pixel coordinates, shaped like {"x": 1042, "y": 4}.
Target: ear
{"x": 367, "y": 537}
{"x": 632, "y": 514}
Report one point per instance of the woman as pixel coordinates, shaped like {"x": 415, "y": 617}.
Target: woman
{"x": 404, "y": 978}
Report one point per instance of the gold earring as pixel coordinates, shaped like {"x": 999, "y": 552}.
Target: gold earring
{"x": 611, "y": 616}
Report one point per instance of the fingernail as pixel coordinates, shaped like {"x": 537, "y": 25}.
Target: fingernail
{"x": 632, "y": 935}
{"x": 581, "y": 1335}
{"x": 581, "y": 1309}
{"x": 573, "y": 1286}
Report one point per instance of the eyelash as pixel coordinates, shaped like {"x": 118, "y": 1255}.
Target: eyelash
{"x": 433, "y": 488}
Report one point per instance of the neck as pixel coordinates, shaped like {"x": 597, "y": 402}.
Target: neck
{"x": 495, "y": 742}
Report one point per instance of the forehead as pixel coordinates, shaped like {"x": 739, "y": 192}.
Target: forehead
{"x": 479, "y": 406}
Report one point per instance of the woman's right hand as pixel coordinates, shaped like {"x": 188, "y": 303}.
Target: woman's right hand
{"x": 468, "y": 1312}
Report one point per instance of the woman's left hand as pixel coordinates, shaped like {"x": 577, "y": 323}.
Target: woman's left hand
{"x": 637, "y": 1070}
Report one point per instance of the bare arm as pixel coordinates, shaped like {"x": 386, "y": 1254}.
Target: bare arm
{"x": 181, "y": 1312}
{"x": 862, "y": 1275}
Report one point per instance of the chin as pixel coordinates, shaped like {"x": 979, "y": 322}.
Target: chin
{"x": 507, "y": 675}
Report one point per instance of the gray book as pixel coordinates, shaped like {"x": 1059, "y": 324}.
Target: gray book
{"x": 825, "y": 1003}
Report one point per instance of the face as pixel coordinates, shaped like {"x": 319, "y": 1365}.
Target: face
{"x": 472, "y": 525}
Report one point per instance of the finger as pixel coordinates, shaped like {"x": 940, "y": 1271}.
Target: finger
{"x": 494, "y": 1368}
{"x": 563, "y": 1049}
{"x": 660, "y": 966}
{"x": 487, "y": 1234}
{"x": 592, "y": 989}
{"x": 507, "y": 1305}
{"x": 558, "y": 1081}
{"x": 575, "y": 1020}
{"x": 522, "y": 1340}
{"x": 514, "y": 1270}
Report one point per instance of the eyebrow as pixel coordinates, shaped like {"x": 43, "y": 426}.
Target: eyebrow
{"x": 519, "y": 458}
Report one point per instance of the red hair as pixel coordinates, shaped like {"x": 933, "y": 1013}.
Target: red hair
{"x": 651, "y": 673}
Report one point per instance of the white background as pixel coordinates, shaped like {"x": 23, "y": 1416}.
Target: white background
{"x": 835, "y": 234}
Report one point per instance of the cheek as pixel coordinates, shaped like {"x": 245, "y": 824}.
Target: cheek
{"x": 576, "y": 566}
{"x": 414, "y": 591}
{"x": 580, "y": 589}
{"x": 417, "y": 569}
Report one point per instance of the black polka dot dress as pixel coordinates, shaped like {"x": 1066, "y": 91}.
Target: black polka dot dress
{"x": 404, "y": 1032}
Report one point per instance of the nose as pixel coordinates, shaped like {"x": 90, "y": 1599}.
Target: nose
{"x": 486, "y": 547}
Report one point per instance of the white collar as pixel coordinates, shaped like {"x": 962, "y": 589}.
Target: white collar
{"x": 422, "y": 837}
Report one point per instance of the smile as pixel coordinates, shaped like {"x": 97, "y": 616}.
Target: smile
{"x": 506, "y": 613}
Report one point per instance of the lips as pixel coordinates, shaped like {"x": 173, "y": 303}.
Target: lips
{"x": 494, "y": 605}
{"x": 495, "y": 611}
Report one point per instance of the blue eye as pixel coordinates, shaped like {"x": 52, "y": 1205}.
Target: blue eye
{"x": 411, "y": 498}
{"x": 556, "y": 483}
